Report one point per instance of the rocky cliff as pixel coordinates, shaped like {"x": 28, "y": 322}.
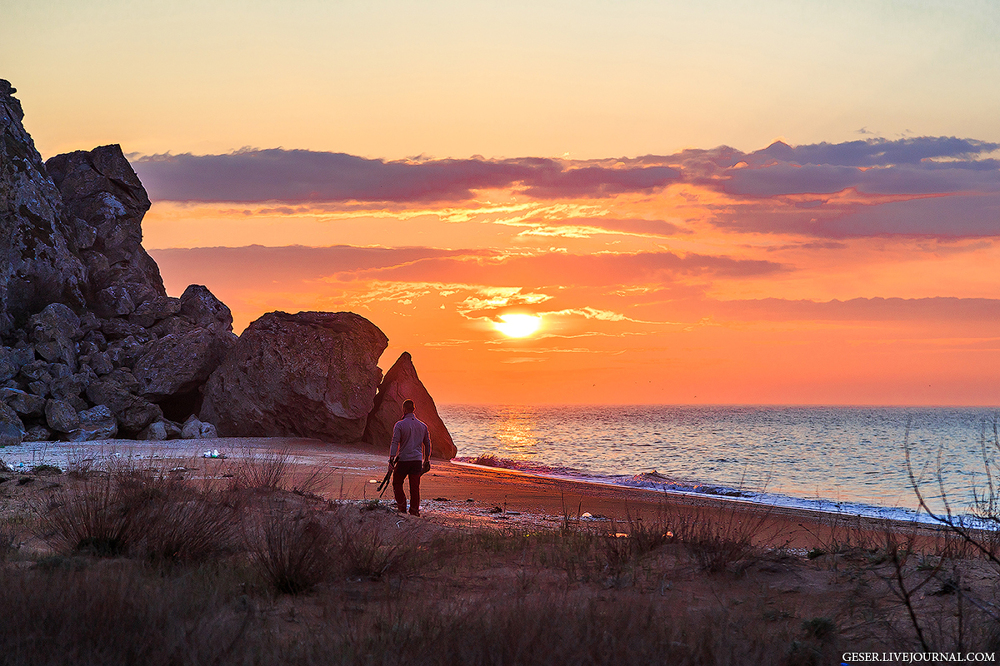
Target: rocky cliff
{"x": 92, "y": 346}
{"x": 38, "y": 265}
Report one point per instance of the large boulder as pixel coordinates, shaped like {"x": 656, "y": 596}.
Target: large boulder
{"x": 37, "y": 262}
{"x": 105, "y": 203}
{"x": 61, "y": 416}
{"x": 160, "y": 430}
{"x": 399, "y": 384}
{"x": 195, "y": 429}
{"x": 200, "y": 307}
{"x": 180, "y": 363}
{"x": 311, "y": 374}
{"x": 192, "y": 343}
{"x": 24, "y": 403}
{"x": 8, "y": 364}
{"x": 117, "y": 390}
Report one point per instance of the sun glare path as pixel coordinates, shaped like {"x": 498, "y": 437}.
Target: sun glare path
{"x": 518, "y": 325}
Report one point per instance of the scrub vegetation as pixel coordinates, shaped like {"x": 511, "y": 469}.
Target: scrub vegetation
{"x": 131, "y": 565}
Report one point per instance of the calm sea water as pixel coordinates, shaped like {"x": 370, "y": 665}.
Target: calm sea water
{"x": 848, "y": 459}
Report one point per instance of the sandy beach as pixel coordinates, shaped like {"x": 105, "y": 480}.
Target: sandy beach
{"x": 308, "y": 557}
{"x": 465, "y": 495}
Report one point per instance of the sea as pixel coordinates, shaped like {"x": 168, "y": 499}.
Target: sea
{"x": 868, "y": 461}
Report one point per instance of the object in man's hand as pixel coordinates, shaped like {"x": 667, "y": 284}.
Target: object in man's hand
{"x": 426, "y": 467}
{"x": 385, "y": 481}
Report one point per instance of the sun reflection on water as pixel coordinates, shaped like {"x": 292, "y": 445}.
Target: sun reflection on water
{"x": 514, "y": 431}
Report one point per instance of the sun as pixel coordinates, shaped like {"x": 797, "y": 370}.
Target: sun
{"x": 518, "y": 325}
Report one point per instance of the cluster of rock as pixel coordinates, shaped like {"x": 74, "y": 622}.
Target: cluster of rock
{"x": 92, "y": 346}
{"x": 315, "y": 374}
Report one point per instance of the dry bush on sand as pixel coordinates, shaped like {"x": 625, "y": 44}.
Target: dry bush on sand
{"x": 266, "y": 470}
{"x": 292, "y": 551}
{"x": 719, "y": 538}
{"x": 371, "y": 546}
{"x": 139, "y": 513}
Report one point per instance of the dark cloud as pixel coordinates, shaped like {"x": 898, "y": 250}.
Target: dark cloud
{"x": 925, "y": 186}
{"x": 945, "y": 217}
{"x": 598, "y": 181}
{"x": 886, "y": 187}
{"x": 873, "y": 152}
{"x": 922, "y": 165}
{"x": 942, "y": 217}
{"x": 297, "y": 176}
{"x": 788, "y": 179}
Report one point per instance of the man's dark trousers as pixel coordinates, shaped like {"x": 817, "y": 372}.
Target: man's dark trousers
{"x": 407, "y": 468}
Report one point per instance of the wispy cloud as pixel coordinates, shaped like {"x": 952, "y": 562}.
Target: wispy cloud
{"x": 948, "y": 309}
{"x": 586, "y": 227}
{"x": 566, "y": 269}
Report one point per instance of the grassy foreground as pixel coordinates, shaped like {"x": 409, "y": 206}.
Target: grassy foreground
{"x": 130, "y": 566}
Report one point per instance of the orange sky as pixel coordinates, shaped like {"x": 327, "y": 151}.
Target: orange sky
{"x": 856, "y": 273}
{"x": 610, "y": 167}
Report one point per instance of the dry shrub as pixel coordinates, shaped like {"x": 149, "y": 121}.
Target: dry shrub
{"x": 140, "y": 513}
{"x": 261, "y": 471}
{"x": 368, "y": 545}
{"x": 188, "y": 526}
{"x": 292, "y": 551}
{"x": 636, "y": 539}
{"x": 296, "y": 549}
{"x": 8, "y": 541}
{"x": 120, "y": 613}
{"x": 719, "y": 537}
{"x": 573, "y": 629}
{"x": 102, "y": 518}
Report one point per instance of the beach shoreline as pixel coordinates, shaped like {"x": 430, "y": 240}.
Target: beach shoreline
{"x": 660, "y": 570}
{"x": 460, "y": 494}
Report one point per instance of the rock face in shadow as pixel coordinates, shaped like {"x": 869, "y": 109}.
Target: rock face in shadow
{"x": 311, "y": 374}
{"x": 92, "y": 347}
{"x": 105, "y": 203}
{"x": 37, "y": 263}
{"x": 401, "y": 383}
{"x": 91, "y": 343}
{"x": 174, "y": 367}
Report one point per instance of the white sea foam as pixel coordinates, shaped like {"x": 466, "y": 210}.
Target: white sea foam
{"x": 657, "y": 482}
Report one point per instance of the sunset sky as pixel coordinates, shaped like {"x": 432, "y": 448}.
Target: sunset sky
{"x": 712, "y": 202}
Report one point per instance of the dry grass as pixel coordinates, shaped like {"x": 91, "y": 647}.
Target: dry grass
{"x": 141, "y": 513}
{"x": 374, "y": 547}
{"x": 292, "y": 550}
{"x": 8, "y": 541}
{"x": 118, "y": 613}
{"x": 304, "y": 581}
{"x": 257, "y": 470}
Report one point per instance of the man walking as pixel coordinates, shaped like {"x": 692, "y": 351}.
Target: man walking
{"x": 409, "y": 456}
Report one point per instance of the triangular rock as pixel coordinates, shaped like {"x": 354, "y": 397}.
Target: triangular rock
{"x": 400, "y": 383}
